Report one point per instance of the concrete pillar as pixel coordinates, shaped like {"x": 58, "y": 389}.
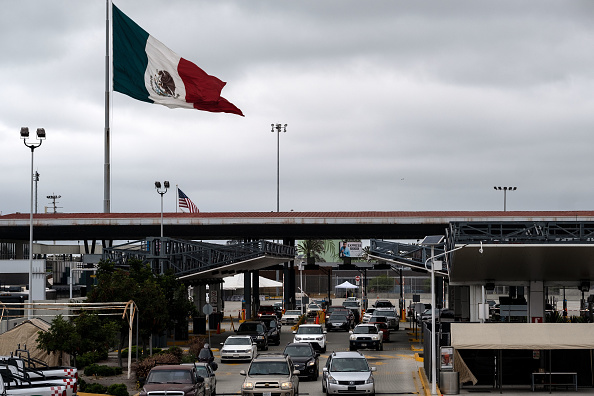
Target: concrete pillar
{"x": 536, "y": 302}
{"x": 247, "y": 295}
{"x": 286, "y": 287}
{"x": 199, "y": 297}
{"x": 256, "y": 292}
{"x": 475, "y": 298}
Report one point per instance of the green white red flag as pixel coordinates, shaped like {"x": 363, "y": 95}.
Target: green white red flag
{"x": 145, "y": 69}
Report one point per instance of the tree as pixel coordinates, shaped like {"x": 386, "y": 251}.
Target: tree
{"x": 86, "y": 333}
{"x": 312, "y": 249}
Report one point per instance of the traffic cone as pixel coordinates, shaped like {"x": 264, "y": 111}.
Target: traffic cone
{"x": 219, "y": 328}
{"x": 317, "y": 319}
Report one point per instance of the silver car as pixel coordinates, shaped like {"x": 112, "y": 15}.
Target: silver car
{"x": 210, "y": 380}
{"x": 348, "y": 373}
{"x": 391, "y": 315}
{"x": 238, "y": 348}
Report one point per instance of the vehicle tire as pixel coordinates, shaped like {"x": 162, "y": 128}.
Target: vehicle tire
{"x": 324, "y": 349}
{"x": 323, "y": 386}
{"x": 377, "y": 348}
{"x": 382, "y": 346}
{"x": 352, "y": 348}
{"x": 265, "y": 347}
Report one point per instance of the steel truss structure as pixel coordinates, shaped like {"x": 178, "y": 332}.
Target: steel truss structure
{"x": 190, "y": 257}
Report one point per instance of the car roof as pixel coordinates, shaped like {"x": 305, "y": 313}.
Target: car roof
{"x": 354, "y": 354}
{"x": 299, "y": 344}
{"x": 170, "y": 367}
{"x": 239, "y": 336}
{"x": 365, "y": 325}
{"x": 310, "y": 325}
{"x": 271, "y": 356}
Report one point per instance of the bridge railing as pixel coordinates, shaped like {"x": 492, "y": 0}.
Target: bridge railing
{"x": 186, "y": 257}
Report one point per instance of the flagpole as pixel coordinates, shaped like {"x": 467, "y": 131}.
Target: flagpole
{"x": 176, "y": 198}
{"x": 106, "y": 165}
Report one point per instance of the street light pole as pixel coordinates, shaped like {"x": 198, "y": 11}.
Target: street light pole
{"x": 278, "y": 127}
{"x": 505, "y": 190}
{"x": 40, "y": 136}
{"x": 161, "y": 192}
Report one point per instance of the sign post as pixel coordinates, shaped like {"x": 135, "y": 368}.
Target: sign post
{"x": 207, "y": 310}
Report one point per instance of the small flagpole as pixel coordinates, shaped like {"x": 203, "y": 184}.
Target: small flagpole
{"x": 106, "y": 165}
{"x": 176, "y": 198}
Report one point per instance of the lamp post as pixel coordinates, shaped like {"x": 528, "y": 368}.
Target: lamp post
{"x": 279, "y": 128}
{"x": 505, "y": 190}
{"x": 162, "y": 192}
{"x": 40, "y": 136}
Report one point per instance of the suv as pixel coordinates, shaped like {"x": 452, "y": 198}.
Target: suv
{"x": 391, "y": 315}
{"x": 272, "y": 374}
{"x": 383, "y": 304}
{"x": 174, "y": 379}
{"x": 312, "y": 333}
{"x": 347, "y": 372}
{"x": 257, "y": 330}
{"x": 366, "y": 336}
{"x": 305, "y": 358}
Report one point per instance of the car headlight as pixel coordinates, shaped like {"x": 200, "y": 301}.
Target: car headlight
{"x": 286, "y": 385}
{"x": 247, "y": 385}
{"x": 375, "y": 337}
{"x": 247, "y": 350}
{"x": 369, "y": 380}
{"x": 297, "y": 339}
{"x": 260, "y": 337}
{"x": 331, "y": 380}
{"x": 353, "y": 337}
{"x": 319, "y": 338}
{"x": 311, "y": 362}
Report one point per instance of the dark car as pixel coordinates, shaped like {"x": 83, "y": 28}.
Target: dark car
{"x": 257, "y": 330}
{"x": 338, "y": 321}
{"x": 355, "y": 309}
{"x": 383, "y": 304}
{"x": 266, "y": 310}
{"x": 173, "y": 379}
{"x": 305, "y": 359}
{"x": 343, "y": 310}
{"x": 273, "y": 328}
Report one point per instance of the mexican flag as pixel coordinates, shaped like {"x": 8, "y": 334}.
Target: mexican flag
{"x": 145, "y": 69}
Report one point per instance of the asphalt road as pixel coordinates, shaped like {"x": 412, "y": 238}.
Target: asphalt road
{"x": 397, "y": 369}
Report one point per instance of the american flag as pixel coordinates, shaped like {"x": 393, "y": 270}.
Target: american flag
{"x": 185, "y": 202}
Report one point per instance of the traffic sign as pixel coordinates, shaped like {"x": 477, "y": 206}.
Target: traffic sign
{"x": 207, "y": 309}
{"x": 357, "y": 278}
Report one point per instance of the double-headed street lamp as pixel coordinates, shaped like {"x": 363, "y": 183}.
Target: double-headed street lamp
{"x": 505, "y": 190}
{"x": 278, "y": 128}
{"x": 161, "y": 192}
{"x": 40, "y": 136}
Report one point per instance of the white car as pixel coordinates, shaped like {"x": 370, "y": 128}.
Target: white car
{"x": 367, "y": 315}
{"x": 366, "y": 336}
{"x": 312, "y": 333}
{"x": 313, "y": 309}
{"x": 238, "y": 347}
{"x": 291, "y": 317}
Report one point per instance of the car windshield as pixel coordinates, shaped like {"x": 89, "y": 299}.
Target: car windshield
{"x": 169, "y": 377}
{"x": 292, "y": 312}
{"x": 388, "y": 313}
{"x": 378, "y": 319}
{"x": 314, "y": 306}
{"x": 269, "y": 368}
{"x": 338, "y": 318}
{"x": 238, "y": 341}
{"x": 365, "y": 330}
{"x": 309, "y": 330}
{"x": 349, "y": 365}
{"x": 251, "y": 327}
{"x": 297, "y": 350}
{"x": 202, "y": 371}
{"x": 370, "y": 310}
{"x": 351, "y": 304}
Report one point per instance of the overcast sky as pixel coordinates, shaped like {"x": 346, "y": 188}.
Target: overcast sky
{"x": 390, "y": 105}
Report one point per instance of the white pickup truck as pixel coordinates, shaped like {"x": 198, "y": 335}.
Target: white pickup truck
{"x": 13, "y": 376}
{"x": 34, "y": 389}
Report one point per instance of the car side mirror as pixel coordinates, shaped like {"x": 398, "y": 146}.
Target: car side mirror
{"x": 296, "y": 372}
{"x": 373, "y": 369}
{"x": 222, "y": 343}
{"x": 350, "y": 331}
{"x": 199, "y": 379}
{"x": 325, "y": 369}
{"x": 294, "y": 331}
{"x": 325, "y": 332}
{"x": 242, "y": 372}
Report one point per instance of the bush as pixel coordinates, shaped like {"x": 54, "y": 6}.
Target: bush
{"x": 196, "y": 344}
{"x": 176, "y": 351}
{"x": 94, "y": 388}
{"x": 103, "y": 371}
{"x": 118, "y": 390}
{"x": 89, "y": 358}
{"x": 145, "y": 365}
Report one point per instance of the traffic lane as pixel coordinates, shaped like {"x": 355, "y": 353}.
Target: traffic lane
{"x": 396, "y": 365}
